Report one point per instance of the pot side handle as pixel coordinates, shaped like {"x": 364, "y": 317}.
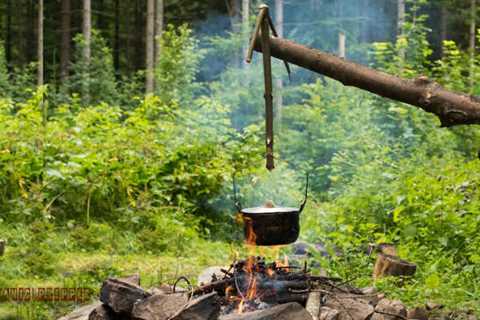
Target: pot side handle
{"x": 302, "y": 206}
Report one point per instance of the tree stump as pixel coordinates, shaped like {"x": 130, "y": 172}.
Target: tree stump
{"x": 389, "y": 264}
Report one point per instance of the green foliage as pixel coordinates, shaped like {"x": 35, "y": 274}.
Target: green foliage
{"x": 94, "y": 80}
{"x": 178, "y": 64}
{"x": 116, "y": 173}
{"x": 5, "y": 90}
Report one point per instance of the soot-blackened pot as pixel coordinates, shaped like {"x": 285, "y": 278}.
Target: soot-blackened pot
{"x": 270, "y": 226}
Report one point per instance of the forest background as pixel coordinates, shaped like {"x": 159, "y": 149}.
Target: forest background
{"x": 123, "y": 122}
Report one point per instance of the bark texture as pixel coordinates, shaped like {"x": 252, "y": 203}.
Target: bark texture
{"x": 40, "y": 44}
{"x": 66, "y": 35}
{"x": 159, "y": 17}
{"x": 149, "y": 48}
{"x": 87, "y": 29}
{"x": 450, "y": 107}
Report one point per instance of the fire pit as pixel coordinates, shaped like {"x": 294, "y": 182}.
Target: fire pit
{"x": 248, "y": 289}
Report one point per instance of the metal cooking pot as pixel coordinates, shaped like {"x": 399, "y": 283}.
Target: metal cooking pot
{"x": 270, "y": 226}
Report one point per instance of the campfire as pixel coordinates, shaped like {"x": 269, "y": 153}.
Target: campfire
{"x": 251, "y": 288}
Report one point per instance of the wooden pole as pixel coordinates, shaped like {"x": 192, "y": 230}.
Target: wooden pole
{"x": 452, "y": 108}
{"x": 267, "y": 72}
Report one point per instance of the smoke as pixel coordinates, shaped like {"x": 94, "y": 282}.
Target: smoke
{"x": 239, "y": 87}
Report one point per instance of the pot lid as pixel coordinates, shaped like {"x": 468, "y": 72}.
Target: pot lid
{"x": 265, "y": 210}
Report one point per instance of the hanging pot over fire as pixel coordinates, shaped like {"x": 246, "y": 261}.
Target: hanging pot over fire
{"x": 269, "y": 225}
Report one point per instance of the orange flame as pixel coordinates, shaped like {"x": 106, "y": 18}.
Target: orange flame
{"x": 251, "y": 236}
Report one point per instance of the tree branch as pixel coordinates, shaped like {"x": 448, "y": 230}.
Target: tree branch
{"x": 452, "y": 108}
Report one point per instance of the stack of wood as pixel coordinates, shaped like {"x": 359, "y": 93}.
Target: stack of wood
{"x": 282, "y": 293}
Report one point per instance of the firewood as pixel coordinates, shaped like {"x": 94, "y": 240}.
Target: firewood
{"x": 159, "y": 306}
{"x": 390, "y": 310}
{"x": 313, "y": 305}
{"x": 418, "y": 313}
{"x": 219, "y": 286}
{"x": 288, "y": 311}
{"x": 327, "y": 313}
{"x": 206, "y": 307}
{"x": 103, "y": 312}
{"x": 349, "y": 308}
{"x": 387, "y": 265}
{"x": 120, "y": 295}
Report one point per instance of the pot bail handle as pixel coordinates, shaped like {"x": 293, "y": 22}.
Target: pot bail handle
{"x": 302, "y": 206}
{"x": 235, "y": 199}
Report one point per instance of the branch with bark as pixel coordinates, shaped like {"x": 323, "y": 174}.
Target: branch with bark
{"x": 450, "y": 107}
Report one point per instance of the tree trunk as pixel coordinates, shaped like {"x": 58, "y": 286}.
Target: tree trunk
{"x": 116, "y": 46}
{"x": 40, "y": 44}
{"x": 30, "y": 25}
{"x": 149, "y": 48}
{"x": 66, "y": 36}
{"x": 473, "y": 34}
{"x": 138, "y": 48}
{"x": 8, "y": 31}
{"x": 279, "y": 83}
{"x": 400, "y": 23}
{"x": 342, "y": 51}
{"x": 450, "y": 107}
{"x": 100, "y": 15}
{"x": 245, "y": 28}
{"x": 159, "y": 17}
{"x": 87, "y": 30}
{"x": 443, "y": 25}
{"x": 400, "y": 17}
